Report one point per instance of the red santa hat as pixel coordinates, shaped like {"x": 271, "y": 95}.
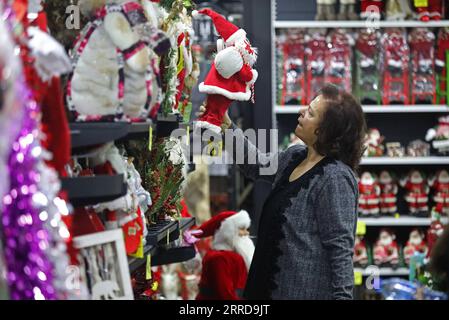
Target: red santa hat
{"x": 227, "y": 218}
{"x": 228, "y": 31}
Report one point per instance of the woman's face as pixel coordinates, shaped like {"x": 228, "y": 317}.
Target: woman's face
{"x": 309, "y": 119}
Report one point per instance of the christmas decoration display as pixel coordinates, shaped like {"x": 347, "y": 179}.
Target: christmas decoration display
{"x": 440, "y": 135}
{"x": 115, "y": 69}
{"x": 180, "y": 71}
{"x": 167, "y": 171}
{"x": 418, "y": 148}
{"x": 367, "y": 72}
{"x": 293, "y": 69}
{"x": 226, "y": 266}
{"x": 398, "y": 10}
{"x": 440, "y": 64}
{"x": 231, "y": 76}
{"x": 316, "y": 53}
{"x": 347, "y": 10}
{"x": 388, "y": 194}
{"x": 395, "y": 149}
{"x": 373, "y": 143}
{"x": 386, "y": 250}
{"x": 338, "y": 69}
{"x": 326, "y": 10}
{"x": 440, "y": 185}
{"x": 360, "y": 253}
{"x": 103, "y": 261}
{"x": 422, "y": 42}
{"x": 395, "y": 54}
{"x": 416, "y": 243}
{"x": 429, "y": 10}
{"x": 370, "y": 9}
{"x": 369, "y": 195}
{"x": 417, "y": 189}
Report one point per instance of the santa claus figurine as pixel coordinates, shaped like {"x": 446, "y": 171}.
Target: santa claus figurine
{"x": 429, "y": 10}
{"x": 415, "y": 243}
{"x": 231, "y": 76}
{"x": 360, "y": 257}
{"x": 417, "y": 193}
{"x": 374, "y": 146}
{"x": 225, "y": 266}
{"x": 386, "y": 252}
{"x": 435, "y": 231}
{"x": 389, "y": 190}
{"x": 369, "y": 195}
{"x": 440, "y": 184}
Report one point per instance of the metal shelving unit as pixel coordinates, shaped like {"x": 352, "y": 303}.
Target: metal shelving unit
{"x": 391, "y": 221}
{"x": 378, "y": 161}
{"x": 278, "y": 109}
{"x": 360, "y": 24}
{"x": 384, "y": 272}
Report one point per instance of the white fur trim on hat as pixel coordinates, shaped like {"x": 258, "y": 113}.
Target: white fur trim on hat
{"x": 240, "y": 96}
{"x": 195, "y": 14}
{"x": 225, "y": 235}
{"x": 238, "y": 35}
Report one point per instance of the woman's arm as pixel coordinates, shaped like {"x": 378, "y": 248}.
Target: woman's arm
{"x": 337, "y": 219}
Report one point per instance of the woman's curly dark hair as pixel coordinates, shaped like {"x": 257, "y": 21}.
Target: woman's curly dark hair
{"x": 342, "y": 129}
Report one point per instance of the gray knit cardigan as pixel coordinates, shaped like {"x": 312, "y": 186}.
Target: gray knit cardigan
{"x": 318, "y": 229}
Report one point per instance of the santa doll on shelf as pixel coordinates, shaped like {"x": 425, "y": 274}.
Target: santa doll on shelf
{"x": 388, "y": 195}
{"x": 415, "y": 243}
{"x": 225, "y": 266}
{"x": 435, "y": 230}
{"x": 374, "y": 146}
{"x": 231, "y": 76}
{"x": 369, "y": 195}
{"x": 440, "y": 184}
{"x": 429, "y": 10}
{"x": 360, "y": 257}
{"x": 417, "y": 193}
{"x": 386, "y": 250}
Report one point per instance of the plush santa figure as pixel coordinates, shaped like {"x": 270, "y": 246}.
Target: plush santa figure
{"x": 225, "y": 267}
{"x": 441, "y": 186}
{"x": 429, "y": 10}
{"x": 389, "y": 190}
{"x": 386, "y": 252}
{"x": 435, "y": 231}
{"x": 369, "y": 195}
{"x": 415, "y": 243}
{"x": 374, "y": 144}
{"x": 360, "y": 257}
{"x": 417, "y": 192}
{"x": 440, "y": 135}
{"x": 371, "y": 9}
{"x": 231, "y": 76}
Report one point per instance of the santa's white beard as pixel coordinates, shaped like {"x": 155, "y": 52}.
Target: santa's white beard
{"x": 245, "y": 247}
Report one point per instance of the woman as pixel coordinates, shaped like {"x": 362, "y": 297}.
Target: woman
{"x": 306, "y": 231}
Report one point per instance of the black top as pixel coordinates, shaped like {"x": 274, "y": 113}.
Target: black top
{"x": 261, "y": 283}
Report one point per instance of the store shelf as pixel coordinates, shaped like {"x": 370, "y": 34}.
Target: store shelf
{"x": 90, "y": 134}
{"x": 163, "y": 230}
{"x": 384, "y": 272}
{"x": 376, "y": 109}
{"x": 83, "y": 191}
{"x": 359, "y": 24}
{"x": 155, "y": 239}
{"x": 405, "y": 161}
{"x": 401, "y": 221}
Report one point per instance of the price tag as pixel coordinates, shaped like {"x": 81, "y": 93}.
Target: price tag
{"x": 168, "y": 236}
{"x": 421, "y": 3}
{"x": 155, "y": 286}
{"x": 148, "y": 274}
{"x": 397, "y": 215}
{"x": 361, "y": 228}
{"x": 150, "y": 138}
{"x": 358, "y": 278}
